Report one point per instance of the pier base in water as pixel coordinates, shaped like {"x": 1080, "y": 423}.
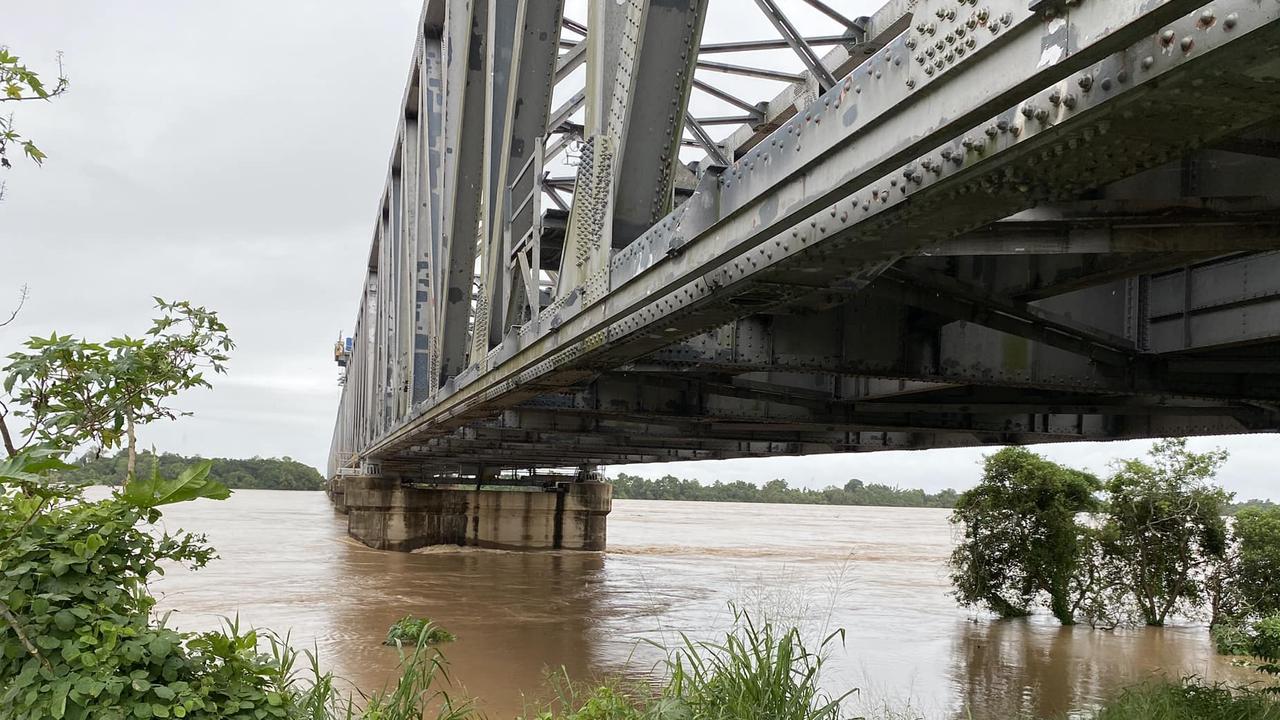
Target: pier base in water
{"x": 385, "y": 514}
{"x": 336, "y": 489}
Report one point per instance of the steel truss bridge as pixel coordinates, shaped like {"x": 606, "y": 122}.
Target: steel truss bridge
{"x": 954, "y": 222}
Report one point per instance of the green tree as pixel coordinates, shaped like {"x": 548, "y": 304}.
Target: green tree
{"x": 1022, "y": 539}
{"x": 73, "y": 588}
{"x": 775, "y": 491}
{"x": 80, "y": 640}
{"x": 72, "y": 391}
{"x": 1255, "y": 572}
{"x": 1164, "y": 533}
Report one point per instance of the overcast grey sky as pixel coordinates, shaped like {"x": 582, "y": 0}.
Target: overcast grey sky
{"x": 232, "y": 153}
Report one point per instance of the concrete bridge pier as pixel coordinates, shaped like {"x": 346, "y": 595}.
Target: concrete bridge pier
{"x": 386, "y": 514}
{"x": 336, "y": 489}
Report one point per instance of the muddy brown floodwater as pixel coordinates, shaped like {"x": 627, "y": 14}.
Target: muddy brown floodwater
{"x": 672, "y": 567}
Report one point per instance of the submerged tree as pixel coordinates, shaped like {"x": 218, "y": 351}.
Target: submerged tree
{"x": 1022, "y": 539}
{"x": 1164, "y": 533}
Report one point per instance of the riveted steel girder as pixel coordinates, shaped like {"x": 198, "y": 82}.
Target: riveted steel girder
{"x": 465, "y": 29}
{"x": 952, "y": 212}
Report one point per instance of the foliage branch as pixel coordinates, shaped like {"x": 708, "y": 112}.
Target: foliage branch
{"x": 71, "y": 391}
{"x": 20, "y": 83}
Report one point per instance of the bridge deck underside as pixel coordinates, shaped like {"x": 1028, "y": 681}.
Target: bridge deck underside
{"x": 994, "y": 252}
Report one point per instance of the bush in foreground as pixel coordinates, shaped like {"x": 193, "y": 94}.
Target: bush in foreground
{"x": 1189, "y": 700}
{"x": 80, "y": 641}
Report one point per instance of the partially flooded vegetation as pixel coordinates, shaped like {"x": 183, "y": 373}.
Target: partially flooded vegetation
{"x": 410, "y": 630}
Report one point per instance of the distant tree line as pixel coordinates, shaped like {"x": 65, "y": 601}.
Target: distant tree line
{"x": 854, "y": 492}
{"x": 1255, "y": 504}
{"x": 254, "y": 473}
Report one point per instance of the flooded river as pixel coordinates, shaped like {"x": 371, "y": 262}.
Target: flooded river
{"x": 671, "y": 568}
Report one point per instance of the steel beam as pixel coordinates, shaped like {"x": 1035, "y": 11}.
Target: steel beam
{"x": 750, "y": 210}
{"x": 942, "y": 248}
{"x": 521, "y": 83}
{"x": 431, "y": 159}
{"x": 796, "y": 41}
{"x": 656, "y": 86}
{"x": 464, "y": 52}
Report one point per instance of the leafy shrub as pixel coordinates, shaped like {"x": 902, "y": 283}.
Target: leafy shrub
{"x": 80, "y": 641}
{"x": 1189, "y": 700}
{"x": 1259, "y": 639}
{"x": 80, "y": 637}
{"x": 1231, "y": 639}
{"x": 1266, "y": 638}
{"x": 604, "y": 702}
{"x": 410, "y": 630}
{"x": 1256, "y": 571}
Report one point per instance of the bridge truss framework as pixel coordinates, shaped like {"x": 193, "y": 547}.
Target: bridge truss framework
{"x": 966, "y": 222}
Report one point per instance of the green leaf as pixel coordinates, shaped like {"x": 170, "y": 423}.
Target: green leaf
{"x": 159, "y": 647}
{"x": 33, "y": 152}
{"x": 33, "y": 464}
{"x": 64, "y": 620}
{"x": 58, "y": 707}
{"x": 191, "y": 484}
